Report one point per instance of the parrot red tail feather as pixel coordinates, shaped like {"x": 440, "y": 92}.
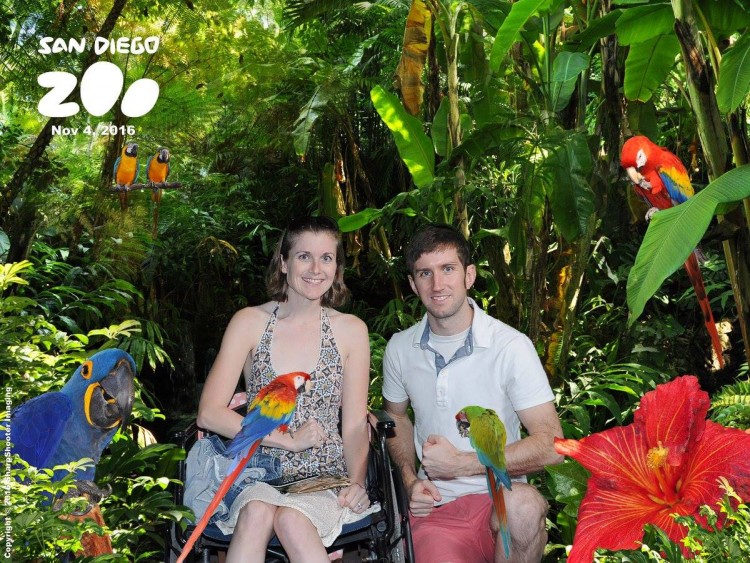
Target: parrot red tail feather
{"x": 223, "y": 488}
{"x": 696, "y": 278}
{"x": 273, "y": 407}
{"x": 498, "y": 500}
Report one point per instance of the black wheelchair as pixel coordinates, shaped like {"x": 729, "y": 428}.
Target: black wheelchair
{"x": 383, "y": 536}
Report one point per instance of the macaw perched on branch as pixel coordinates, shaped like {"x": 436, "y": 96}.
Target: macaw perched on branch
{"x": 486, "y": 434}
{"x": 157, "y": 171}
{"x": 660, "y": 178}
{"x": 273, "y": 407}
{"x": 126, "y": 171}
{"x": 78, "y": 421}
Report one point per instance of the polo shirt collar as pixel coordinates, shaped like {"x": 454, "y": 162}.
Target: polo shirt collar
{"x": 478, "y": 337}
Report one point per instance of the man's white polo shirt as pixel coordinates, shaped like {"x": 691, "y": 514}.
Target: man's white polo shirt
{"x": 496, "y": 368}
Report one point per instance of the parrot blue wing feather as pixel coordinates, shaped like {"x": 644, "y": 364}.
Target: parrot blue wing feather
{"x": 137, "y": 171}
{"x": 37, "y": 427}
{"x": 675, "y": 193}
{"x": 148, "y": 167}
{"x": 500, "y": 475}
{"x": 114, "y": 170}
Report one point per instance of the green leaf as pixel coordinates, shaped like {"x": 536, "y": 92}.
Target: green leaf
{"x": 600, "y": 27}
{"x": 359, "y": 220}
{"x": 439, "y": 128}
{"x": 648, "y": 65}
{"x": 565, "y": 70}
{"x": 674, "y": 233}
{"x": 571, "y": 197}
{"x": 638, "y": 25}
{"x": 519, "y": 14}
{"x": 567, "y": 479}
{"x": 734, "y": 76}
{"x": 414, "y": 147}
{"x": 307, "y": 118}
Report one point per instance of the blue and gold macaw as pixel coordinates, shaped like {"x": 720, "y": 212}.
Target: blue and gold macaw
{"x": 661, "y": 179}
{"x": 126, "y": 171}
{"x": 157, "y": 171}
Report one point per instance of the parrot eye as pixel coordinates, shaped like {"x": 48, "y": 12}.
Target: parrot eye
{"x": 87, "y": 369}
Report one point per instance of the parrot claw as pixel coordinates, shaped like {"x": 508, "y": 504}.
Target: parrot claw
{"x": 86, "y": 489}
{"x": 650, "y": 213}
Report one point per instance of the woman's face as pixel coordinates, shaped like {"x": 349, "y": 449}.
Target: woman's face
{"x": 311, "y": 267}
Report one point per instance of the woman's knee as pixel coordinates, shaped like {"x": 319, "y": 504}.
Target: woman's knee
{"x": 289, "y": 520}
{"x": 256, "y": 516}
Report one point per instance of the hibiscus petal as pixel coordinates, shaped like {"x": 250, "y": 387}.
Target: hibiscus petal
{"x": 674, "y": 414}
{"x": 721, "y": 452}
{"x": 617, "y": 455}
{"x": 615, "y": 518}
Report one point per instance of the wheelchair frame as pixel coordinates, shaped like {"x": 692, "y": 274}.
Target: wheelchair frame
{"x": 384, "y": 536}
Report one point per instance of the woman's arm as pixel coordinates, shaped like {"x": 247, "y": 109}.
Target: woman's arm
{"x": 353, "y": 335}
{"x": 243, "y": 330}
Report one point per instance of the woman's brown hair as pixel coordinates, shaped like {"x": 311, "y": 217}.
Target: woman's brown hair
{"x": 276, "y": 285}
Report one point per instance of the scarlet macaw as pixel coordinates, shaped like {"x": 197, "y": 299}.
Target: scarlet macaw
{"x": 78, "y": 422}
{"x": 660, "y": 178}
{"x": 126, "y": 171}
{"x": 157, "y": 171}
{"x": 273, "y": 407}
{"x": 486, "y": 434}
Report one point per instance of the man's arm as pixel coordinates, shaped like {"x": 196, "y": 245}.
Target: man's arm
{"x": 401, "y": 445}
{"x": 422, "y": 493}
{"x": 538, "y": 449}
{"x": 442, "y": 460}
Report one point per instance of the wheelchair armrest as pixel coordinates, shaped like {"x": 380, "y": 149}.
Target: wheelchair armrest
{"x": 383, "y": 421}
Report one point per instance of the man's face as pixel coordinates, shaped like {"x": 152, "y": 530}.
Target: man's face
{"x": 441, "y": 282}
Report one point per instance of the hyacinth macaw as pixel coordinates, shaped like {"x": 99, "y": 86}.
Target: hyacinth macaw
{"x": 79, "y": 420}
{"x": 126, "y": 171}
{"x": 273, "y": 407}
{"x": 660, "y": 178}
{"x": 486, "y": 434}
{"x": 157, "y": 171}
{"x": 75, "y": 423}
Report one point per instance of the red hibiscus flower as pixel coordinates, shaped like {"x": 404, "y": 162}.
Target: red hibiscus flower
{"x": 667, "y": 462}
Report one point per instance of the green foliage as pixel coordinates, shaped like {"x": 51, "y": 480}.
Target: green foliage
{"x": 734, "y": 76}
{"x": 674, "y": 233}
{"x": 731, "y": 405}
{"x": 38, "y": 357}
{"x": 413, "y": 145}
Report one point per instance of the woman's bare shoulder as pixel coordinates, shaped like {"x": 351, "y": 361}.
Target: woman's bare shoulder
{"x": 252, "y": 317}
{"x": 346, "y": 325}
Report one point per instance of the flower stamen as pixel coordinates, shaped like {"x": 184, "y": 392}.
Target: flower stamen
{"x": 656, "y": 458}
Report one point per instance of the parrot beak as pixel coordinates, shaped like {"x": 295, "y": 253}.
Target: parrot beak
{"x": 304, "y": 388}
{"x": 462, "y": 424}
{"x": 110, "y": 401}
{"x": 635, "y": 176}
{"x": 163, "y": 155}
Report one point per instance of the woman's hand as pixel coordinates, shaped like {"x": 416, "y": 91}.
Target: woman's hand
{"x": 355, "y": 497}
{"x": 310, "y": 435}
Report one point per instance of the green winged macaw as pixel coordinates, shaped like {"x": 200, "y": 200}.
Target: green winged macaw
{"x": 660, "y": 178}
{"x": 78, "y": 422}
{"x": 486, "y": 434}
{"x": 273, "y": 407}
{"x": 126, "y": 171}
{"x": 157, "y": 171}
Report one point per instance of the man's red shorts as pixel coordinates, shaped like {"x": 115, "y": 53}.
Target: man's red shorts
{"x": 455, "y": 532}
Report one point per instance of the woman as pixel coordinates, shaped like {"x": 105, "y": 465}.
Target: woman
{"x": 298, "y": 330}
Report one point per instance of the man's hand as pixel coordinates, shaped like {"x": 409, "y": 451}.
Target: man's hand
{"x": 423, "y": 495}
{"x": 441, "y": 459}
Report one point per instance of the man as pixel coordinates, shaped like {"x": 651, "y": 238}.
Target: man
{"x": 455, "y": 357}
